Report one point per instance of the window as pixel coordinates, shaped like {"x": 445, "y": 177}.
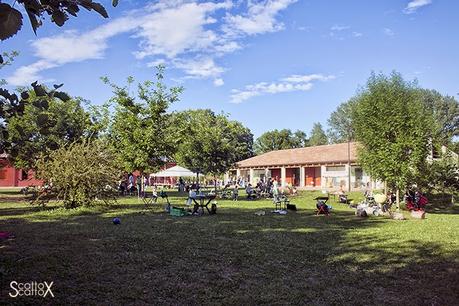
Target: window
{"x": 2, "y": 174}
{"x": 335, "y": 168}
{"x": 24, "y": 175}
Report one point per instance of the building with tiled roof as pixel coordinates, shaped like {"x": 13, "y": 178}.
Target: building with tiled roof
{"x": 319, "y": 167}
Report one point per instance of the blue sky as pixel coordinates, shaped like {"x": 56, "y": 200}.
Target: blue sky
{"x": 269, "y": 64}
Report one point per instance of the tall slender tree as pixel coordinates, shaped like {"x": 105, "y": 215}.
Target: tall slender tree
{"x": 340, "y": 124}
{"x": 141, "y": 130}
{"x": 318, "y": 136}
{"x": 393, "y": 128}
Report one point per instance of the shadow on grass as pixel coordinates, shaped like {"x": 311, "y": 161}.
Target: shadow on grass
{"x": 442, "y": 204}
{"x": 233, "y": 257}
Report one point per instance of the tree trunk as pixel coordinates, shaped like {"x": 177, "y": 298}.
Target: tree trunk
{"x": 398, "y": 199}
{"x": 215, "y": 184}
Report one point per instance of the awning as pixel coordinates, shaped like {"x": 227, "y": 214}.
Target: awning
{"x": 175, "y": 171}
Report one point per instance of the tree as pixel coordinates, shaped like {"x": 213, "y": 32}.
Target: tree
{"x": 280, "y": 140}
{"x": 444, "y": 174}
{"x": 445, "y": 111}
{"x": 393, "y": 129}
{"x": 210, "y": 143}
{"x": 141, "y": 130}
{"x": 340, "y": 123}
{"x": 80, "y": 173}
{"x": 6, "y": 58}
{"x": 318, "y": 136}
{"x": 58, "y": 10}
{"x": 39, "y": 121}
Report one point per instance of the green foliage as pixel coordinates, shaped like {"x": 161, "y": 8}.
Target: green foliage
{"x": 210, "y": 143}
{"x": 59, "y": 11}
{"x": 393, "y": 128}
{"x": 141, "y": 132}
{"x": 442, "y": 174}
{"x": 6, "y": 58}
{"x": 318, "y": 136}
{"x": 42, "y": 123}
{"x": 340, "y": 123}
{"x": 80, "y": 173}
{"x": 445, "y": 111}
{"x": 280, "y": 140}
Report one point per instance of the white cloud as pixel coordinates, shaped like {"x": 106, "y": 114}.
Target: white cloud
{"x": 29, "y": 74}
{"x": 307, "y": 78}
{"x": 219, "y": 82}
{"x": 177, "y": 29}
{"x": 260, "y": 18}
{"x": 288, "y": 84}
{"x": 70, "y": 47}
{"x": 339, "y": 28}
{"x": 357, "y": 34}
{"x": 199, "y": 68}
{"x": 414, "y": 5}
{"x": 172, "y": 30}
{"x": 157, "y": 62}
{"x": 388, "y": 32}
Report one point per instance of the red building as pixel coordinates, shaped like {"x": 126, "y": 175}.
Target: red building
{"x": 12, "y": 177}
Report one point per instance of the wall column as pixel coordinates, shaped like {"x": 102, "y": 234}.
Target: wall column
{"x": 238, "y": 173}
{"x": 302, "y": 177}
{"x": 283, "y": 177}
{"x": 251, "y": 173}
{"x": 348, "y": 182}
{"x": 266, "y": 174}
{"x": 323, "y": 169}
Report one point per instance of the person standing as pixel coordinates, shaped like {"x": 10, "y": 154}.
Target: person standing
{"x": 139, "y": 185}
{"x": 235, "y": 192}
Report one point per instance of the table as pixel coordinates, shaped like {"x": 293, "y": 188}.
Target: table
{"x": 202, "y": 201}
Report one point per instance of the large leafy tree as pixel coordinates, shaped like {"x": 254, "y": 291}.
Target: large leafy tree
{"x": 210, "y": 143}
{"x": 141, "y": 130}
{"x": 445, "y": 111}
{"x": 280, "y": 140}
{"x": 318, "y": 136}
{"x": 340, "y": 123}
{"x": 393, "y": 129}
{"x": 38, "y": 121}
{"x": 11, "y": 19}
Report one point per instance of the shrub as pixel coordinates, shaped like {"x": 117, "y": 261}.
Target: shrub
{"x": 80, "y": 174}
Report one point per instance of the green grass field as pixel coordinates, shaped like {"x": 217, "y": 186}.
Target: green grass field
{"x": 232, "y": 258}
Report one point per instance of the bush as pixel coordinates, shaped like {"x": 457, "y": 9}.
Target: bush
{"x": 80, "y": 174}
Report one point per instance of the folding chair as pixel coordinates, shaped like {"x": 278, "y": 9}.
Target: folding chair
{"x": 280, "y": 202}
{"x": 149, "y": 200}
{"x": 321, "y": 205}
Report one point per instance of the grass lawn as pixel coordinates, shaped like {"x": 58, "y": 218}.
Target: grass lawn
{"x": 232, "y": 258}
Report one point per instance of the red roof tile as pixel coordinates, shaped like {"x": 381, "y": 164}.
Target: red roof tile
{"x": 326, "y": 154}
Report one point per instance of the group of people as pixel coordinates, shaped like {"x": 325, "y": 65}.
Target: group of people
{"x": 129, "y": 184}
{"x": 264, "y": 188}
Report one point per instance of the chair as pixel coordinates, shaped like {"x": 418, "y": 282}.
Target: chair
{"x": 149, "y": 200}
{"x": 281, "y": 202}
{"x": 322, "y": 207}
